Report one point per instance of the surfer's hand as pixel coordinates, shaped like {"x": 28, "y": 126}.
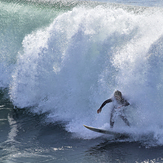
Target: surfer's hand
{"x": 99, "y": 110}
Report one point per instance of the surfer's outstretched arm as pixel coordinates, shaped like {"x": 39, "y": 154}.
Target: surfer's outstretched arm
{"x": 103, "y": 104}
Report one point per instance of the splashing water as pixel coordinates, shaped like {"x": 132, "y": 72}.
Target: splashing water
{"x": 69, "y": 68}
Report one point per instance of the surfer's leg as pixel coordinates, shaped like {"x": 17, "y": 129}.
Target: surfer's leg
{"x": 111, "y": 120}
{"x": 125, "y": 120}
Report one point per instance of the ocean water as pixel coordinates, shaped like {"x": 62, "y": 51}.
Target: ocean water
{"x": 59, "y": 60}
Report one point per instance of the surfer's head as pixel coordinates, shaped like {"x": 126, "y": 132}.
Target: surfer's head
{"x": 118, "y": 95}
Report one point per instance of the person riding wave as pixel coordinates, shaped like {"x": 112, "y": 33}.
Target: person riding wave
{"x": 119, "y": 102}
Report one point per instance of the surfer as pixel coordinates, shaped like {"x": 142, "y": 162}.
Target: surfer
{"x": 118, "y": 102}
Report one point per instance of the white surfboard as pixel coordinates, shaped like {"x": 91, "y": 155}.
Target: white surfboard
{"x": 107, "y": 131}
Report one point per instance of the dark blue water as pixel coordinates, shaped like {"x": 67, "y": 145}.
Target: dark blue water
{"x": 26, "y": 138}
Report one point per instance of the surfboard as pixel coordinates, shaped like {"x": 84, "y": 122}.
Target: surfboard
{"x": 111, "y": 132}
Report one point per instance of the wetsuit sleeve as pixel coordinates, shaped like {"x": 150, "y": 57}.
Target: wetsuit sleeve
{"x": 126, "y": 103}
{"x": 105, "y": 102}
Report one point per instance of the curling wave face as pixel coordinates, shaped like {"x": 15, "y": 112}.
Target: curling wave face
{"x": 70, "y": 67}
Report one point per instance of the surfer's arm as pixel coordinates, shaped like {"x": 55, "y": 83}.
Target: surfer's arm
{"x": 103, "y": 104}
{"x": 126, "y": 103}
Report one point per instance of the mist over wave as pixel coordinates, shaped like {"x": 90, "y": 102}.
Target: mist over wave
{"x": 69, "y": 68}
